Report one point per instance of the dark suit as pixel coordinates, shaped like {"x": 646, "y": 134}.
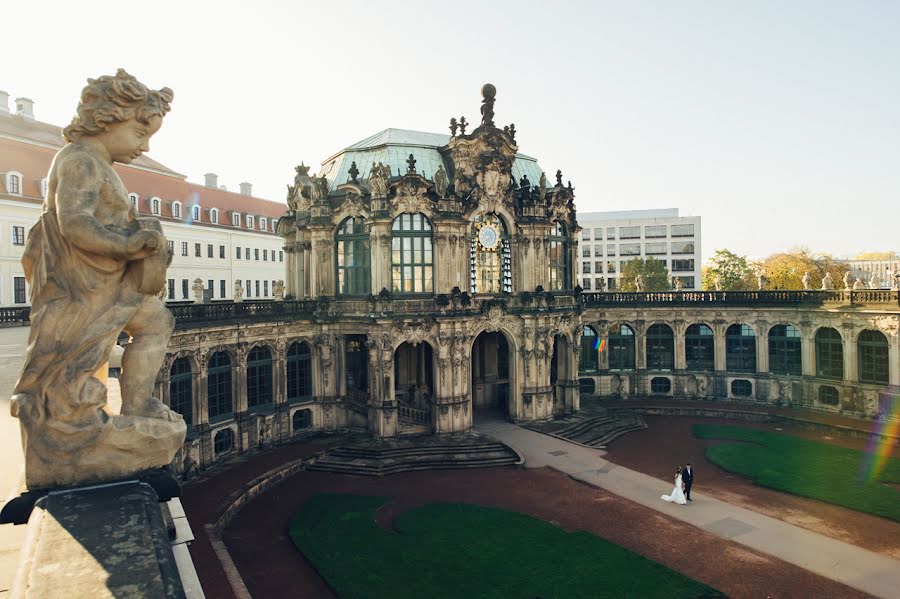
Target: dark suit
{"x": 687, "y": 477}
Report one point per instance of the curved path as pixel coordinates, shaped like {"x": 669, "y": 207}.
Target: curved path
{"x": 858, "y": 568}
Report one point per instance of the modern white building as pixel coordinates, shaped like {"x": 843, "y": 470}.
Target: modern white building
{"x": 215, "y": 235}
{"x": 884, "y": 271}
{"x": 610, "y": 239}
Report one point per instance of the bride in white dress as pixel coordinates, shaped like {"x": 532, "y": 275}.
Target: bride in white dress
{"x": 677, "y": 495}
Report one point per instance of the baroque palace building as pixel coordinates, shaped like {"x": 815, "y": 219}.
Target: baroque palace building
{"x": 429, "y": 276}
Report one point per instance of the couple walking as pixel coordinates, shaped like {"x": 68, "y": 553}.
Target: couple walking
{"x": 684, "y": 478}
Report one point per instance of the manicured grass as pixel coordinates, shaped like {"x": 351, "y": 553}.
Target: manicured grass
{"x": 460, "y": 550}
{"x": 809, "y": 468}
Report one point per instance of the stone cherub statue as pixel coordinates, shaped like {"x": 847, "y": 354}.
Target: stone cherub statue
{"x": 676, "y": 283}
{"x": 874, "y": 283}
{"x": 859, "y": 285}
{"x": 278, "y": 290}
{"x": 95, "y": 268}
{"x": 718, "y": 282}
{"x": 805, "y": 281}
{"x": 827, "y": 282}
{"x": 238, "y": 291}
{"x": 760, "y": 281}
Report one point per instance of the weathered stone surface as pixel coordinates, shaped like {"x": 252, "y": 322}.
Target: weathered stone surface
{"x": 95, "y": 269}
{"x": 98, "y": 542}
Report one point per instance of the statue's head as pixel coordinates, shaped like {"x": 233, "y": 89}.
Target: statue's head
{"x": 120, "y": 112}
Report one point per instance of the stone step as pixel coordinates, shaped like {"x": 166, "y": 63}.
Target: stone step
{"x": 615, "y": 433}
{"x": 595, "y": 434}
{"x": 376, "y": 453}
{"x": 375, "y": 462}
{"x": 578, "y": 428}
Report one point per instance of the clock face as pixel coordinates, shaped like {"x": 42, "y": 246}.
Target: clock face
{"x": 489, "y": 236}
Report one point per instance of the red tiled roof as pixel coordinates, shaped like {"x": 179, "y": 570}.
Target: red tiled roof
{"x": 33, "y": 162}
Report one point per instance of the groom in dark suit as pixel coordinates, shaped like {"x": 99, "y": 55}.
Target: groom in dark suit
{"x": 687, "y": 477}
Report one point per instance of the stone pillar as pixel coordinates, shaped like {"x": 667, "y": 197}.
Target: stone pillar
{"x": 848, "y": 335}
{"x": 808, "y": 338}
{"x": 640, "y": 344}
{"x": 201, "y": 391}
{"x": 893, "y": 356}
{"x": 762, "y": 346}
{"x": 679, "y": 329}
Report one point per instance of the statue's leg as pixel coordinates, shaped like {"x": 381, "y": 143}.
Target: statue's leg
{"x": 150, "y": 329}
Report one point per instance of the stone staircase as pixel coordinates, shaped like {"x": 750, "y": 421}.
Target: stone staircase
{"x": 426, "y": 453}
{"x": 595, "y": 428}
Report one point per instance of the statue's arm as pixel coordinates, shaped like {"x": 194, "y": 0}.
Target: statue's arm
{"x": 77, "y": 198}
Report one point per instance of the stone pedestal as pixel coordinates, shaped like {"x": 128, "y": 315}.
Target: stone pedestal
{"x": 108, "y": 541}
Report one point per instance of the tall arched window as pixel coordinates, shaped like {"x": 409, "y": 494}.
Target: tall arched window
{"x": 353, "y": 275}
{"x": 872, "y": 350}
{"x": 259, "y": 377}
{"x": 621, "y": 348}
{"x": 176, "y": 209}
{"x": 829, "y": 354}
{"x": 214, "y": 216}
{"x": 660, "y": 347}
{"x": 587, "y": 360}
{"x": 490, "y": 259}
{"x": 154, "y": 205}
{"x": 412, "y": 258}
{"x": 558, "y": 278}
{"x": 195, "y": 213}
{"x": 299, "y": 372}
{"x": 784, "y": 350}
{"x": 14, "y": 183}
{"x": 700, "y": 348}
{"x": 740, "y": 348}
{"x": 218, "y": 386}
{"x": 181, "y": 389}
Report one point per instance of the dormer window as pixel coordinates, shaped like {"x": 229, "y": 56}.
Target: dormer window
{"x": 249, "y": 221}
{"x": 45, "y": 187}
{"x": 134, "y": 199}
{"x": 214, "y": 216}
{"x": 154, "y": 205}
{"x": 195, "y": 213}
{"x": 262, "y": 224}
{"x": 236, "y": 219}
{"x": 274, "y": 224}
{"x": 176, "y": 209}
{"x": 14, "y": 183}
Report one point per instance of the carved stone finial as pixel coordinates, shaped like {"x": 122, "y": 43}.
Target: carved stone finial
{"x": 512, "y": 131}
{"x": 453, "y": 126}
{"x": 354, "y": 172}
{"x": 559, "y": 178}
{"x": 410, "y": 164}
{"x": 488, "y": 94}
{"x": 462, "y": 125}
{"x": 569, "y": 186}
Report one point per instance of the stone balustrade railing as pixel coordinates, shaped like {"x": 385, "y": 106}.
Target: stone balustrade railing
{"x": 413, "y": 415}
{"x": 741, "y": 298}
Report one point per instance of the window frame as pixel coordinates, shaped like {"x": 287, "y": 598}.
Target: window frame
{"x": 352, "y": 243}
{"x": 404, "y": 233}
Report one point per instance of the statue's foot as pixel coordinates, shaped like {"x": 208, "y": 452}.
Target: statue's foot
{"x": 152, "y": 408}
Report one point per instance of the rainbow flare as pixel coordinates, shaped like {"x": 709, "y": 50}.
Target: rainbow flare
{"x": 881, "y": 443}
{"x": 599, "y": 344}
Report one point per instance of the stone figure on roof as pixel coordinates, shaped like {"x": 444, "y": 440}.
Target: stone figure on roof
{"x": 847, "y": 284}
{"x": 718, "y": 282}
{"x": 378, "y": 180}
{"x": 462, "y": 125}
{"x": 440, "y": 182}
{"x": 874, "y": 283}
{"x": 760, "y": 281}
{"x": 639, "y": 283}
{"x": 859, "y": 285}
{"x": 488, "y": 93}
{"x": 95, "y": 268}
{"x": 805, "y": 281}
{"x": 542, "y": 187}
{"x": 238, "y": 291}
{"x": 827, "y": 282}
{"x": 197, "y": 288}
{"x": 318, "y": 189}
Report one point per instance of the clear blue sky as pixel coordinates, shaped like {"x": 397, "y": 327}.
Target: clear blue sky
{"x": 777, "y": 122}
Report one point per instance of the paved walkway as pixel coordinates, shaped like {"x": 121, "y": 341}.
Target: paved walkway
{"x": 864, "y": 570}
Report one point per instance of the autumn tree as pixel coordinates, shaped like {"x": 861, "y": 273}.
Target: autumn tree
{"x": 785, "y": 270}
{"x": 653, "y": 271}
{"x": 734, "y": 270}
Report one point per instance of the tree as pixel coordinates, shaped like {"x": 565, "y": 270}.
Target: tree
{"x": 653, "y": 271}
{"x": 785, "y": 270}
{"x": 734, "y": 270}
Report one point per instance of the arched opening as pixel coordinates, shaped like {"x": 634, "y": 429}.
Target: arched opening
{"x": 872, "y": 351}
{"x": 829, "y": 354}
{"x": 357, "y": 364}
{"x": 181, "y": 389}
{"x": 700, "y": 348}
{"x": 491, "y": 373}
{"x": 785, "y": 350}
{"x": 301, "y": 420}
{"x": 621, "y": 348}
{"x": 490, "y": 257}
{"x": 299, "y": 373}
{"x": 412, "y": 258}
{"x": 660, "y": 347}
{"x": 352, "y": 256}
{"x": 559, "y": 370}
{"x": 218, "y": 387}
{"x": 259, "y": 378}
{"x": 223, "y": 442}
{"x": 414, "y": 383}
{"x": 589, "y": 355}
{"x": 740, "y": 348}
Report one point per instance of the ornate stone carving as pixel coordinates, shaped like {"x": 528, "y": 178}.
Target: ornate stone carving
{"x": 278, "y": 290}
{"x": 197, "y": 288}
{"x": 95, "y": 270}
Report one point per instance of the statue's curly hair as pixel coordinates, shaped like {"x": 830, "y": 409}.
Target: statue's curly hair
{"x": 115, "y": 99}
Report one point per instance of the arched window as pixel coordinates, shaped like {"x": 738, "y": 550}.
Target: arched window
{"x": 218, "y": 386}
{"x": 740, "y": 348}
{"x": 195, "y": 213}
{"x": 784, "y": 350}
{"x": 700, "y": 348}
{"x": 660, "y": 347}
{"x": 181, "y": 389}
{"x": 299, "y": 372}
{"x": 558, "y": 278}
{"x": 259, "y": 377}
{"x": 829, "y": 354}
{"x": 134, "y": 199}
{"x": 301, "y": 420}
{"x": 490, "y": 260}
{"x": 587, "y": 360}
{"x": 223, "y": 442}
{"x": 412, "y": 259}
{"x": 353, "y": 274}
{"x": 154, "y": 205}
{"x": 14, "y": 183}
{"x": 214, "y": 216}
{"x": 872, "y": 349}
{"x": 176, "y": 209}
{"x": 249, "y": 221}
{"x": 621, "y": 348}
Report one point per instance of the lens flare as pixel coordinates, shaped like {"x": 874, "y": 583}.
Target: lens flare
{"x": 881, "y": 442}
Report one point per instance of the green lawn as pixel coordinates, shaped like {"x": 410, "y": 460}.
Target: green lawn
{"x": 462, "y": 551}
{"x": 809, "y": 468}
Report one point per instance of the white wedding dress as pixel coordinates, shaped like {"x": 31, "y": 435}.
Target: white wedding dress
{"x": 677, "y": 495}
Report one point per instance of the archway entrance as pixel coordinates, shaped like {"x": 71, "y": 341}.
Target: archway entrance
{"x": 559, "y": 370}
{"x": 414, "y": 385}
{"x": 356, "y": 377}
{"x": 491, "y": 374}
